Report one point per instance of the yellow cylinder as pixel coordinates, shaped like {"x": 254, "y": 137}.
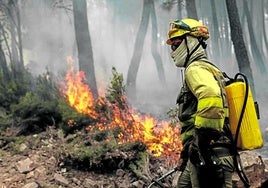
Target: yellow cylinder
{"x": 250, "y": 136}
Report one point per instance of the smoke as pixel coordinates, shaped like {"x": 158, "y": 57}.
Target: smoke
{"x": 113, "y": 29}
{"x": 48, "y": 38}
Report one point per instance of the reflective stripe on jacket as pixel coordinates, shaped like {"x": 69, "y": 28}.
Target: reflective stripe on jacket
{"x": 206, "y": 82}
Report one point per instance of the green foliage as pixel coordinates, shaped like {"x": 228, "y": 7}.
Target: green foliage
{"x": 141, "y": 166}
{"x": 14, "y": 146}
{"x": 116, "y": 89}
{"x": 35, "y": 113}
{"x": 5, "y": 119}
{"x": 34, "y": 108}
{"x": 31, "y": 104}
{"x": 71, "y": 120}
{"x": 12, "y": 89}
{"x": 46, "y": 88}
{"x": 99, "y": 150}
{"x": 87, "y": 152}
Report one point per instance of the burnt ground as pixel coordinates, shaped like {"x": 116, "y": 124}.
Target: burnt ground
{"x": 40, "y": 160}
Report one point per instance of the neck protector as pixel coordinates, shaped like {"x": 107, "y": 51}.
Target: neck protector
{"x": 189, "y": 50}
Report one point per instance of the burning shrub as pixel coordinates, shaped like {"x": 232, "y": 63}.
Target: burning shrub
{"x": 72, "y": 120}
{"x": 116, "y": 90}
{"x": 111, "y": 114}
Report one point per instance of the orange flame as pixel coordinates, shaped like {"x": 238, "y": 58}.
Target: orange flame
{"x": 161, "y": 139}
{"x": 78, "y": 93}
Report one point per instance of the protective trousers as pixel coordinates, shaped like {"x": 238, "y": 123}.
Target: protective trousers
{"x": 219, "y": 176}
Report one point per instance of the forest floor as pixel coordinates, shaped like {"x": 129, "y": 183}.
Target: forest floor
{"x": 38, "y": 160}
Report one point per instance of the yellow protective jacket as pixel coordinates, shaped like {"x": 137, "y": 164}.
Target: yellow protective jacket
{"x": 202, "y": 101}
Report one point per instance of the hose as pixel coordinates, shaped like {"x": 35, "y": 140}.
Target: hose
{"x": 238, "y": 162}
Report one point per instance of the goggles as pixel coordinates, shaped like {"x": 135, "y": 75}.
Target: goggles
{"x": 179, "y": 25}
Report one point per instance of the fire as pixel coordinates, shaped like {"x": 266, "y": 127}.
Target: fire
{"x": 78, "y": 93}
{"x": 161, "y": 139}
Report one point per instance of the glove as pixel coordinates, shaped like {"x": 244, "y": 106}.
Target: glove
{"x": 200, "y": 153}
{"x": 184, "y": 155}
{"x": 197, "y": 150}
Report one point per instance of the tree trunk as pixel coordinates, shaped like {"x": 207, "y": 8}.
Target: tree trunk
{"x": 154, "y": 44}
{"x": 215, "y": 35}
{"x": 238, "y": 42}
{"x": 3, "y": 60}
{"x": 16, "y": 42}
{"x": 226, "y": 45}
{"x": 138, "y": 48}
{"x": 191, "y": 9}
{"x": 83, "y": 41}
{"x": 17, "y": 12}
{"x": 4, "y": 72}
{"x": 265, "y": 40}
{"x": 257, "y": 56}
{"x": 179, "y": 8}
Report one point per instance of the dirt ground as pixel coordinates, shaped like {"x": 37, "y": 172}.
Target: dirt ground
{"x": 36, "y": 161}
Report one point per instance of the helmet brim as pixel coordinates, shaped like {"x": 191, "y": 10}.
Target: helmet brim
{"x": 176, "y": 33}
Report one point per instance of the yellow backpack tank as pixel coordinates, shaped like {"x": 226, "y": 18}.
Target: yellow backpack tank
{"x": 243, "y": 116}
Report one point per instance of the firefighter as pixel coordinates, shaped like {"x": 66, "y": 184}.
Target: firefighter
{"x": 207, "y": 157}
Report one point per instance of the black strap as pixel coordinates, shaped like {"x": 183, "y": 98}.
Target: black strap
{"x": 240, "y": 170}
{"x": 189, "y": 54}
{"x": 237, "y": 160}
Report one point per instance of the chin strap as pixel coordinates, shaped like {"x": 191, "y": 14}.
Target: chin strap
{"x": 189, "y": 54}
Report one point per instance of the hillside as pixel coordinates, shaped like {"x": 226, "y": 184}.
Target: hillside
{"x": 43, "y": 160}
